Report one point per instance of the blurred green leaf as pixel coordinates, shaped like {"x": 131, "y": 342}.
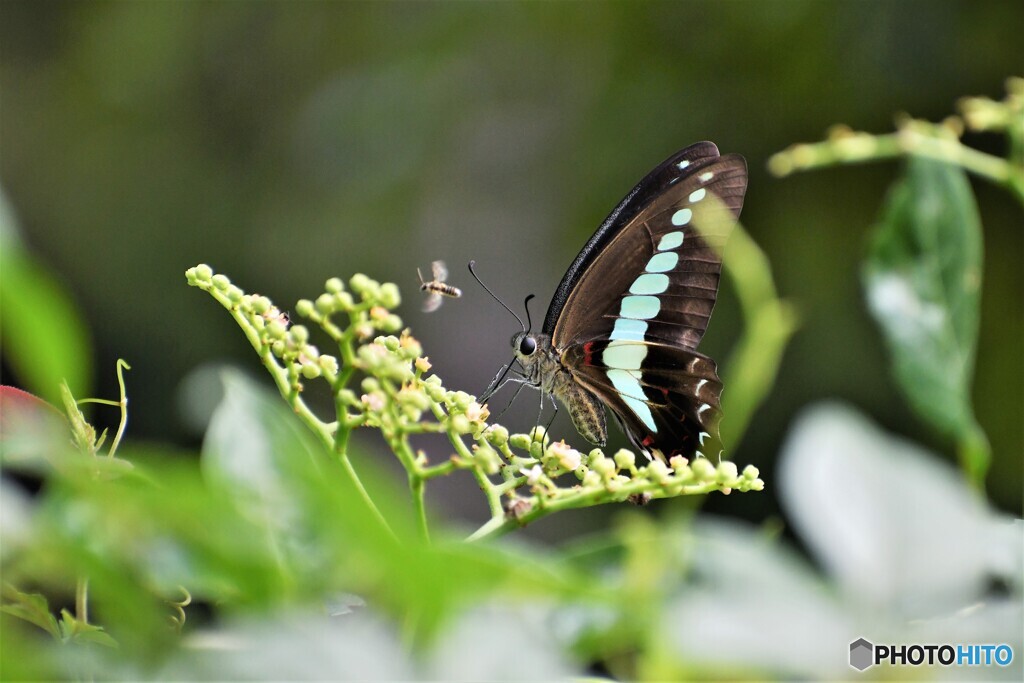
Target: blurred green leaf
{"x": 923, "y": 281}
{"x": 76, "y": 630}
{"x": 42, "y": 334}
{"x": 32, "y": 607}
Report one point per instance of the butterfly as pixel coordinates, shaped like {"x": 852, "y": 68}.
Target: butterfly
{"x": 437, "y": 288}
{"x": 623, "y": 327}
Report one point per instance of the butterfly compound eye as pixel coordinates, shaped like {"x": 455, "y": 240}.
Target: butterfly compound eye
{"x": 527, "y": 346}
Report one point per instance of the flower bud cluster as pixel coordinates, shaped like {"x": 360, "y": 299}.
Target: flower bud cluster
{"x": 396, "y": 394}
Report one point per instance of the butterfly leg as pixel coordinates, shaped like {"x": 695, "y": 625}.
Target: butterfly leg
{"x": 547, "y": 427}
{"x": 540, "y": 413}
{"x": 499, "y": 381}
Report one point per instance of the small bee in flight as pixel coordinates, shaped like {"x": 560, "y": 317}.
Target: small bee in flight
{"x": 437, "y": 287}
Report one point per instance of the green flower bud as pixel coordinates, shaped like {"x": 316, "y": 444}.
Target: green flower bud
{"x": 304, "y": 308}
{"x": 496, "y": 435}
{"x": 359, "y": 283}
{"x": 278, "y": 348}
{"x": 390, "y": 343}
{"x": 657, "y": 471}
{"x": 343, "y": 301}
{"x": 389, "y": 295}
{"x": 750, "y": 472}
{"x": 703, "y": 470}
{"x": 626, "y": 460}
{"x": 411, "y": 348}
{"x": 604, "y": 467}
{"x": 592, "y": 480}
{"x": 325, "y": 304}
{"x": 520, "y": 441}
{"x": 348, "y": 397}
{"x": 370, "y": 384}
{"x": 203, "y": 272}
{"x": 329, "y": 364}
{"x": 435, "y": 392}
{"x": 488, "y": 459}
{"x": 310, "y": 370}
{"x": 461, "y": 424}
{"x": 299, "y": 334}
{"x": 235, "y": 294}
{"x": 276, "y": 329}
{"x": 221, "y": 282}
{"x": 334, "y": 285}
{"x": 459, "y": 399}
{"x": 417, "y": 399}
{"x": 259, "y": 304}
{"x": 433, "y": 380}
{"x": 726, "y": 471}
{"x": 392, "y": 323}
{"x": 595, "y": 456}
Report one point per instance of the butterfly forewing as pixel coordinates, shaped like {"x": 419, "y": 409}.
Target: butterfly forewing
{"x": 656, "y": 270}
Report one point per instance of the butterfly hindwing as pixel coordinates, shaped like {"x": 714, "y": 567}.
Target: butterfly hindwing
{"x": 665, "y": 397}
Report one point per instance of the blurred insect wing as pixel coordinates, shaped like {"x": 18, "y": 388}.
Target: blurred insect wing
{"x": 432, "y": 302}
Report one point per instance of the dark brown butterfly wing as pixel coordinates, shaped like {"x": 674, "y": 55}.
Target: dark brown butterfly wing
{"x": 647, "y": 255}
{"x": 633, "y": 307}
{"x": 672, "y": 405}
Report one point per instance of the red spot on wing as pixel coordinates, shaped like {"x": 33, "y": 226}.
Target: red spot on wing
{"x": 588, "y": 350}
{"x": 648, "y": 440}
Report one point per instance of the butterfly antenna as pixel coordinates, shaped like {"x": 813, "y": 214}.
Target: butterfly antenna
{"x": 526, "y": 305}
{"x": 486, "y": 289}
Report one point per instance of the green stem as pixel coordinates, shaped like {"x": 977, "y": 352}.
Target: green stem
{"x": 863, "y": 147}
{"x": 122, "y": 404}
{"x": 582, "y": 498}
{"x": 337, "y": 442}
{"x": 417, "y": 486}
{"x": 82, "y": 600}
{"x": 975, "y": 454}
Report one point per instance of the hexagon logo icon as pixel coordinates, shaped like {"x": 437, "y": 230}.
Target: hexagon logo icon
{"x": 862, "y": 654}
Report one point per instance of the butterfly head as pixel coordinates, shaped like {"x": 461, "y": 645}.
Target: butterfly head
{"x": 524, "y": 344}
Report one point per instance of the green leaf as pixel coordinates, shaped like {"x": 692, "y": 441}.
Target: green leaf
{"x": 77, "y": 631}
{"x": 32, "y": 607}
{"x": 44, "y": 338}
{"x": 922, "y": 279}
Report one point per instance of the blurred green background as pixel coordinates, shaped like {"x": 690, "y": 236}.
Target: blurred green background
{"x": 284, "y": 143}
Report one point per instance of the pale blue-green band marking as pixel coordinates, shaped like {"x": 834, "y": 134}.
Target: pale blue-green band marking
{"x": 650, "y": 283}
{"x": 629, "y": 329}
{"x": 627, "y": 383}
{"x": 663, "y": 262}
{"x": 624, "y": 355}
{"x": 670, "y": 240}
{"x": 697, "y": 195}
{"x": 682, "y": 217}
{"x": 641, "y": 307}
